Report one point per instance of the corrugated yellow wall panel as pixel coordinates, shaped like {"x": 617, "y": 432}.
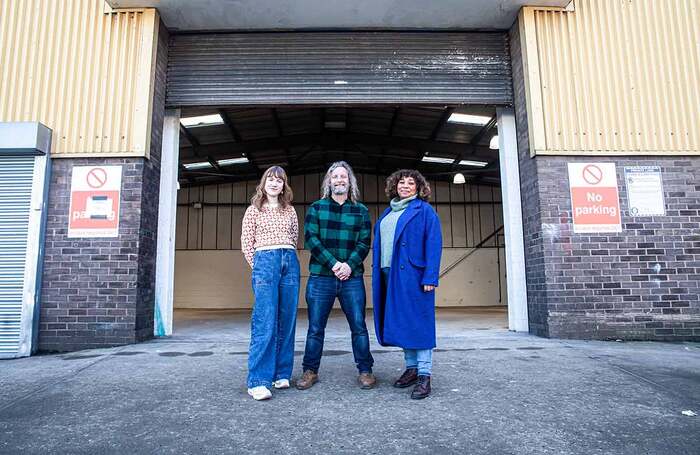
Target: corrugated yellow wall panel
{"x": 85, "y": 74}
{"x": 617, "y": 76}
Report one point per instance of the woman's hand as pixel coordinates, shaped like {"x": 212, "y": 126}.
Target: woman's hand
{"x": 428, "y": 288}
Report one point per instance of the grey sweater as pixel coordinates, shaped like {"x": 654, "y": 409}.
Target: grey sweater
{"x": 387, "y": 228}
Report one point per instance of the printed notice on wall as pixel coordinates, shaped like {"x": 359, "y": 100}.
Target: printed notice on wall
{"x": 645, "y": 190}
{"x": 595, "y": 203}
{"x": 94, "y": 201}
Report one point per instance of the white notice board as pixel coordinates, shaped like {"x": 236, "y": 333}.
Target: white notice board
{"x": 645, "y": 190}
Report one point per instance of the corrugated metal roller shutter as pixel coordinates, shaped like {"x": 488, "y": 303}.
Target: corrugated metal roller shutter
{"x": 16, "y": 178}
{"x": 322, "y": 68}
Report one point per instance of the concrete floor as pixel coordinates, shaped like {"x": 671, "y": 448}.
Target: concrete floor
{"x": 495, "y": 392}
{"x": 234, "y": 325}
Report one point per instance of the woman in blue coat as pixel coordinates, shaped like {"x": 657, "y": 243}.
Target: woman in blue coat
{"x": 405, "y": 270}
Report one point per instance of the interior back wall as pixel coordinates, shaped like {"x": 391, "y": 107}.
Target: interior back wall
{"x": 210, "y": 271}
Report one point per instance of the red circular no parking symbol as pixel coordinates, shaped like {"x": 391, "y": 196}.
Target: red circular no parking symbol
{"x": 592, "y": 174}
{"x": 96, "y": 178}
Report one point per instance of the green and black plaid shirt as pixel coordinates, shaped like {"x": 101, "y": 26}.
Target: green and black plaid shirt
{"x": 337, "y": 233}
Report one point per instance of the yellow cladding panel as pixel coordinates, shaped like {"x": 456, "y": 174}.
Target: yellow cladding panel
{"x": 85, "y": 74}
{"x": 617, "y": 76}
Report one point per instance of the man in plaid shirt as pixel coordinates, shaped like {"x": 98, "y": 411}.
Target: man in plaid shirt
{"x": 337, "y": 232}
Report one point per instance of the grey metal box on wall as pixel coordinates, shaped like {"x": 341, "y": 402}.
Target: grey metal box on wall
{"x": 24, "y": 158}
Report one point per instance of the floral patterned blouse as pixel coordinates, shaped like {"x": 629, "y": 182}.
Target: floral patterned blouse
{"x": 266, "y": 227}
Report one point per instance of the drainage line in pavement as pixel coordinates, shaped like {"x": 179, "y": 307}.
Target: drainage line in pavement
{"x": 58, "y": 381}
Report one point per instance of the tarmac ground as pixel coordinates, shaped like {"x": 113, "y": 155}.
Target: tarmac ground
{"x": 494, "y": 392}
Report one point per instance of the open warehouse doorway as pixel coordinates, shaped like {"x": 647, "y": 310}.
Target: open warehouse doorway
{"x": 381, "y": 101}
{"x": 223, "y": 152}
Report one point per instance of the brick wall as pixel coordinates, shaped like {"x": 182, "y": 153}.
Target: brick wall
{"x": 100, "y": 292}
{"x": 642, "y": 283}
{"x": 89, "y": 288}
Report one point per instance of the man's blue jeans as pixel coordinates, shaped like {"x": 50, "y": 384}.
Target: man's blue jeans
{"x": 321, "y": 292}
{"x": 274, "y": 319}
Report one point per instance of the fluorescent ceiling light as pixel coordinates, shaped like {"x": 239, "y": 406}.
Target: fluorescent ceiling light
{"x": 230, "y": 161}
{"x": 473, "y": 163}
{"x": 437, "y": 159}
{"x": 335, "y": 124}
{"x": 468, "y": 119}
{"x": 459, "y": 179}
{"x": 198, "y": 165}
{"x": 493, "y": 145}
{"x": 202, "y": 120}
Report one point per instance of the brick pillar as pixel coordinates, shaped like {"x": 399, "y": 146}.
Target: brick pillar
{"x": 529, "y": 194}
{"x": 99, "y": 292}
{"x": 640, "y": 284}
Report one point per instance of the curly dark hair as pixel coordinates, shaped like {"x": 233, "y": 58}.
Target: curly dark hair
{"x": 422, "y": 185}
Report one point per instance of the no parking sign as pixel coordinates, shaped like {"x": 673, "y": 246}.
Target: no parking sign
{"x": 595, "y": 203}
{"x": 94, "y": 201}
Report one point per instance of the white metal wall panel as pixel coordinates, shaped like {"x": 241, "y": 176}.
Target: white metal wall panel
{"x": 16, "y": 178}
{"x": 331, "y": 67}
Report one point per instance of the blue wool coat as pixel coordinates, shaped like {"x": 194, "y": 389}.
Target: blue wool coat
{"x": 404, "y": 314}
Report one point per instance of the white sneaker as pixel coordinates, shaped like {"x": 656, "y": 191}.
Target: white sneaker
{"x": 260, "y": 393}
{"x": 281, "y": 384}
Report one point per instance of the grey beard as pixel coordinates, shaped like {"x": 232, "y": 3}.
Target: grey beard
{"x": 339, "y": 189}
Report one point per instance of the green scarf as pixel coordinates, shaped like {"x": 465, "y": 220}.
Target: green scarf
{"x": 399, "y": 204}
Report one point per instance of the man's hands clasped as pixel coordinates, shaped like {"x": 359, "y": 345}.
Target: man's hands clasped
{"x": 342, "y": 270}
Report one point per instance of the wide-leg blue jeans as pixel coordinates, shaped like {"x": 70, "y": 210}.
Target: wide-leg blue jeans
{"x": 273, "y": 323}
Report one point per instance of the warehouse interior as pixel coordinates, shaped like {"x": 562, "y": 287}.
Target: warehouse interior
{"x": 224, "y": 150}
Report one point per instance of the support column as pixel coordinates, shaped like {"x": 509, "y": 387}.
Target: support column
{"x": 512, "y": 221}
{"x": 165, "y": 261}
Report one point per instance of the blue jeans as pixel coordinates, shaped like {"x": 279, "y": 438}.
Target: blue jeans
{"x": 419, "y": 358}
{"x": 321, "y": 292}
{"x": 274, "y": 319}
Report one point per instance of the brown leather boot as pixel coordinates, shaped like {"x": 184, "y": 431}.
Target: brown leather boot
{"x": 422, "y": 388}
{"x": 366, "y": 380}
{"x": 307, "y": 379}
{"x": 407, "y": 379}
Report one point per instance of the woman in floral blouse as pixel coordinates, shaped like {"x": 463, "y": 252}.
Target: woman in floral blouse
{"x": 268, "y": 240}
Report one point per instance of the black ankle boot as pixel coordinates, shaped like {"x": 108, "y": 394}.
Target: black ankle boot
{"x": 407, "y": 379}
{"x": 422, "y": 388}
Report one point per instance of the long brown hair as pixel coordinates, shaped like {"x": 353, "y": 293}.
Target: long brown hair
{"x": 285, "y": 197}
{"x": 353, "y": 190}
{"x": 422, "y": 185}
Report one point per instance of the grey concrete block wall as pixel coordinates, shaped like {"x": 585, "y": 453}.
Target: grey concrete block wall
{"x": 641, "y": 284}
{"x": 99, "y": 292}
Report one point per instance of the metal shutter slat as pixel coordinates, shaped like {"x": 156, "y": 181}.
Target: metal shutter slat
{"x": 326, "y": 68}
{"x": 16, "y": 175}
